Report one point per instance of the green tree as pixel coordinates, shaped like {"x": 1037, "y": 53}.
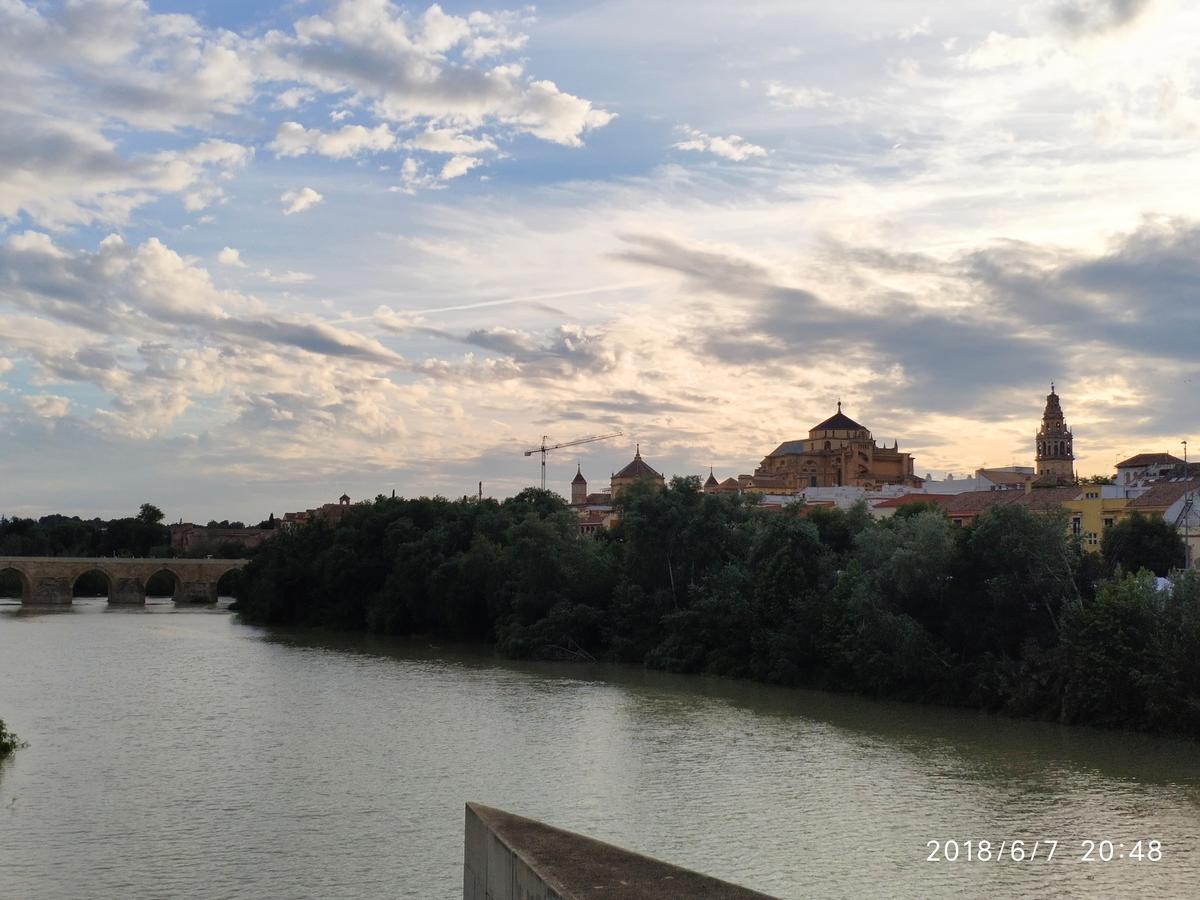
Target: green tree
{"x": 1143, "y": 542}
{"x": 150, "y": 514}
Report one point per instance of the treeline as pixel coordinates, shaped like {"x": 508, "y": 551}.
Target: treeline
{"x": 142, "y": 534}
{"x": 1008, "y": 615}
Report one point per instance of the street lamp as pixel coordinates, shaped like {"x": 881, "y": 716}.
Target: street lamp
{"x": 1187, "y": 510}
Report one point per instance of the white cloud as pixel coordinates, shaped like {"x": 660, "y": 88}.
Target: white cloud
{"x": 797, "y": 97}
{"x": 729, "y": 147}
{"x": 48, "y": 406}
{"x": 230, "y": 257}
{"x": 297, "y": 201}
{"x": 427, "y": 71}
{"x": 447, "y": 140}
{"x": 457, "y": 166}
{"x": 288, "y": 277}
{"x": 293, "y": 139}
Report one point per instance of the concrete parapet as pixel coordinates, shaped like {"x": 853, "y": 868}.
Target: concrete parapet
{"x": 508, "y": 857}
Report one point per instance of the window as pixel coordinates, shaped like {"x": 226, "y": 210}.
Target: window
{"x": 812, "y": 480}
{"x": 828, "y": 446}
{"x": 1076, "y": 525}
{"x": 1108, "y": 521}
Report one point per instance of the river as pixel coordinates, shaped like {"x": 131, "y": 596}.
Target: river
{"x": 181, "y": 753}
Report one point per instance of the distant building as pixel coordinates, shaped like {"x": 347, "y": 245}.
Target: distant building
{"x": 839, "y": 452}
{"x": 637, "y": 470}
{"x": 1055, "y": 444}
{"x": 331, "y": 513}
{"x": 1149, "y": 467}
{"x": 189, "y": 538}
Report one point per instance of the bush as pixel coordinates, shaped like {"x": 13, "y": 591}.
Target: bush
{"x": 8, "y": 741}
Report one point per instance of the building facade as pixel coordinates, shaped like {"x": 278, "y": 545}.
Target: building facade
{"x": 839, "y": 452}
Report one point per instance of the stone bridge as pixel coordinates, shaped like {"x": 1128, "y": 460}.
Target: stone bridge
{"x": 51, "y": 579}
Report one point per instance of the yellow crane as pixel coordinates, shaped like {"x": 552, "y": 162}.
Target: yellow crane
{"x": 545, "y": 448}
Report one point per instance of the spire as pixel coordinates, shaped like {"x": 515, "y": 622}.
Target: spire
{"x": 637, "y": 451}
{"x": 839, "y": 406}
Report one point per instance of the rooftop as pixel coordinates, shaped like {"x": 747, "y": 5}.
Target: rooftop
{"x": 637, "y": 468}
{"x": 1163, "y": 493}
{"x": 1150, "y": 459}
{"x": 839, "y": 421}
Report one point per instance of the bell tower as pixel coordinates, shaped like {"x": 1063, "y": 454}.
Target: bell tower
{"x": 1055, "y": 449}
{"x": 578, "y": 488}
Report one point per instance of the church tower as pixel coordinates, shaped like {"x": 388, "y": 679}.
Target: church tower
{"x": 1055, "y": 452}
{"x": 578, "y": 488}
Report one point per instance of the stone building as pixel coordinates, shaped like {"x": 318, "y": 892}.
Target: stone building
{"x": 637, "y": 470}
{"x": 1055, "y": 444}
{"x": 187, "y": 537}
{"x": 838, "y": 452}
{"x": 327, "y": 512}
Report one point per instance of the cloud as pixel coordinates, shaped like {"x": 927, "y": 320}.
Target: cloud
{"x": 48, "y": 406}
{"x": 447, "y": 140}
{"x": 80, "y": 78}
{"x": 731, "y": 147}
{"x": 293, "y": 139}
{"x": 457, "y": 166}
{"x": 297, "y": 201}
{"x": 230, "y": 257}
{"x": 63, "y": 173}
{"x": 1086, "y": 17}
{"x": 288, "y": 277}
{"x": 426, "y": 70}
{"x": 785, "y": 97}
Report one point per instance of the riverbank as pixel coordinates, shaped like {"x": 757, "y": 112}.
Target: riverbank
{"x": 1009, "y": 615}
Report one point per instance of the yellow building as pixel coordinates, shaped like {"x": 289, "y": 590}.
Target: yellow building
{"x": 1091, "y": 513}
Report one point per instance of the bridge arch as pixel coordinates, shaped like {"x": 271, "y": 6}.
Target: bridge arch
{"x": 15, "y": 583}
{"x": 154, "y": 583}
{"x": 84, "y": 584}
{"x": 229, "y": 582}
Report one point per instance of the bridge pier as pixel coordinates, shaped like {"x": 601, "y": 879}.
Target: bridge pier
{"x": 196, "y": 592}
{"x": 127, "y": 592}
{"x": 51, "y": 590}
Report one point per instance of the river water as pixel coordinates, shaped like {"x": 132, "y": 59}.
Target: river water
{"x": 180, "y": 753}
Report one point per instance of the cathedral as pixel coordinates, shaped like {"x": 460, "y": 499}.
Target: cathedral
{"x": 838, "y": 452}
{"x": 1055, "y": 447}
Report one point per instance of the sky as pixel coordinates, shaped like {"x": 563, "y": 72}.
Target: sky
{"x": 255, "y": 255}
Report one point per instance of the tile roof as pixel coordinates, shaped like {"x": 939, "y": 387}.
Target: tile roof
{"x": 1150, "y": 459}
{"x": 637, "y": 468}
{"x": 1163, "y": 493}
{"x": 788, "y": 447}
{"x": 999, "y": 476}
{"x": 839, "y": 421}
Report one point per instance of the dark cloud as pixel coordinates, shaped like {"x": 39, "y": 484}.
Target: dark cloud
{"x": 1022, "y": 315}
{"x": 1083, "y": 17}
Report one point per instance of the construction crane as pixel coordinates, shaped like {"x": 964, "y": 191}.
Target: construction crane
{"x": 545, "y": 448}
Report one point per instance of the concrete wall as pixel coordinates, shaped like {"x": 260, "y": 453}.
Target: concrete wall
{"x": 509, "y": 857}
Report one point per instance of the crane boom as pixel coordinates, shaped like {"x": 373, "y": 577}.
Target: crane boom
{"x": 545, "y": 448}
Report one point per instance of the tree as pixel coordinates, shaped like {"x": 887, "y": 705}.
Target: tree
{"x": 1142, "y": 542}
{"x": 150, "y": 514}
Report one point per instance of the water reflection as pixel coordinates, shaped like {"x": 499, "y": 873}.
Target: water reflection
{"x": 291, "y": 765}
